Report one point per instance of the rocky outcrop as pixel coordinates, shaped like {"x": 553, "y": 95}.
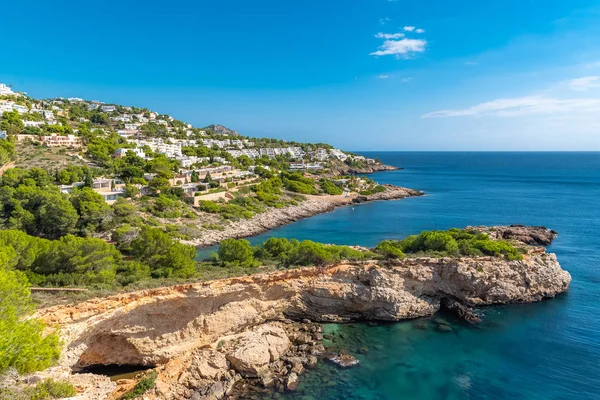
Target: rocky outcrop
{"x": 531, "y": 235}
{"x": 276, "y": 217}
{"x": 344, "y": 169}
{"x": 184, "y": 326}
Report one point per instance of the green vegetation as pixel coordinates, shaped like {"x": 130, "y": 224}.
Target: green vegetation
{"x": 372, "y": 190}
{"x": 7, "y": 152}
{"x": 23, "y": 345}
{"x": 48, "y": 389}
{"x": 451, "y": 243}
{"x": 296, "y": 182}
{"x": 285, "y": 253}
{"x": 330, "y": 188}
{"x": 145, "y": 384}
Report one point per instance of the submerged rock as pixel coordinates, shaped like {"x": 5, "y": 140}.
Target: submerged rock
{"x": 344, "y": 360}
{"x": 460, "y": 310}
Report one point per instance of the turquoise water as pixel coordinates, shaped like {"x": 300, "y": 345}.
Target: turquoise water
{"x": 547, "y": 350}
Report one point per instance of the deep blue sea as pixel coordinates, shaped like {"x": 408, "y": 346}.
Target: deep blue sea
{"x": 547, "y": 350}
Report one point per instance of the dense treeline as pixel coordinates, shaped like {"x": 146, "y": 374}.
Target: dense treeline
{"x": 451, "y": 243}
{"x": 286, "y": 253}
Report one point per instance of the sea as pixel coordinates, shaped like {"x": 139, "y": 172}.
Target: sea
{"x": 545, "y": 350}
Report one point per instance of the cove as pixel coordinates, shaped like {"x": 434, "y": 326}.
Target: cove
{"x": 548, "y": 350}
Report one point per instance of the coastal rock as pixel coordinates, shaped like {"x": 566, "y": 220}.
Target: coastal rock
{"x": 460, "y": 310}
{"x": 254, "y": 350}
{"x": 183, "y": 326}
{"x": 344, "y": 360}
{"x": 530, "y": 235}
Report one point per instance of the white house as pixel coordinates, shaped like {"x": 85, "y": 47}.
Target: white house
{"x": 108, "y": 108}
{"x": 120, "y": 153}
{"x": 35, "y": 124}
{"x": 7, "y": 91}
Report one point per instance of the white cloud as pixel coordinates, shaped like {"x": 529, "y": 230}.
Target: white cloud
{"x": 585, "y": 83}
{"x": 383, "y": 76}
{"x": 409, "y": 28}
{"x": 516, "y": 107}
{"x": 384, "y": 21}
{"x": 382, "y": 35}
{"x": 406, "y": 79}
{"x": 404, "y": 47}
{"x": 420, "y": 30}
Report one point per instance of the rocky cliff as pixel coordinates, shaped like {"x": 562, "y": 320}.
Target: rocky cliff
{"x": 224, "y": 331}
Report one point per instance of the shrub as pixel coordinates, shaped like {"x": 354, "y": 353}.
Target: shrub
{"x": 454, "y": 242}
{"x": 330, "y": 188}
{"x": 389, "y": 249}
{"x": 237, "y": 251}
{"x": 145, "y": 384}
{"x": 23, "y": 345}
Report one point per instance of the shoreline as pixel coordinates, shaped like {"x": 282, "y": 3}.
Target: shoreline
{"x": 254, "y": 335}
{"x": 278, "y": 217}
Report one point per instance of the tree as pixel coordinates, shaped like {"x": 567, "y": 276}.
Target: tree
{"x": 23, "y": 345}
{"x": 56, "y": 216}
{"x": 237, "y": 251}
{"x": 7, "y": 151}
{"x": 99, "y": 118}
{"x": 159, "y": 184}
{"x": 165, "y": 257}
{"x": 91, "y": 207}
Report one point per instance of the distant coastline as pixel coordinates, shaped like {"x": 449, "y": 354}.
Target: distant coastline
{"x": 313, "y": 205}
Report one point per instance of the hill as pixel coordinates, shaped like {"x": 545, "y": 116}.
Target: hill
{"x": 221, "y": 130}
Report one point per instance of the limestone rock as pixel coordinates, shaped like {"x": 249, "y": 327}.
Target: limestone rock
{"x": 252, "y": 351}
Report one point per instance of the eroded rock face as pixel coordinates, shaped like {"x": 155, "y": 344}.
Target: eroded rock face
{"x": 252, "y": 351}
{"x": 214, "y": 333}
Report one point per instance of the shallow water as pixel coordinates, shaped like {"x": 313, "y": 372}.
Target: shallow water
{"x": 547, "y": 350}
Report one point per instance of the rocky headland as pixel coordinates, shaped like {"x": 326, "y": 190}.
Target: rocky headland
{"x": 277, "y": 217}
{"x": 228, "y": 338}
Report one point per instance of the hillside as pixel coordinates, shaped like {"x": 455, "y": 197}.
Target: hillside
{"x": 109, "y": 178}
{"x": 221, "y": 130}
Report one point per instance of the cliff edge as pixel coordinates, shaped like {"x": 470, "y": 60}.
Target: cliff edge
{"x": 208, "y": 336}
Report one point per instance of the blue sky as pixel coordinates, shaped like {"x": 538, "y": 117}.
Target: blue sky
{"x": 360, "y": 74}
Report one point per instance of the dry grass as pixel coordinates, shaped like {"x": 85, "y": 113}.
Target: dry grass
{"x": 30, "y": 155}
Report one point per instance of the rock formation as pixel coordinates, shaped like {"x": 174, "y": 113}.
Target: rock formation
{"x": 208, "y": 336}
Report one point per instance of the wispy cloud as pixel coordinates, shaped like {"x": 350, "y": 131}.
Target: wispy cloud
{"x": 384, "y": 21}
{"x": 407, "y": 79}
{"x": 594, "y": 64}
{"x": 383, "y": 76}
{"x": 401, "y": 48}
{"x": 516, "y": 107}
{"x": 420, "y": 30}
{"x": 382, "y": 35}
{"x": 585, "y": 83}
{"x": 409, "y": 28}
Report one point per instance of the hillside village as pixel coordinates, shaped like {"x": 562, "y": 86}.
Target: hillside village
{"x": 173, "y": 174}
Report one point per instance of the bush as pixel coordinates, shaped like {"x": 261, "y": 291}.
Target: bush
{"x": 330, "y": 188}
{"x": 389, "y": 249}
{"x": 46, "y": 390}
{"x": 451, "y": 243}
{"x": 237, "y": 251}
{"x": 23, "y": 344}
{"x": 145, "y": 384}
